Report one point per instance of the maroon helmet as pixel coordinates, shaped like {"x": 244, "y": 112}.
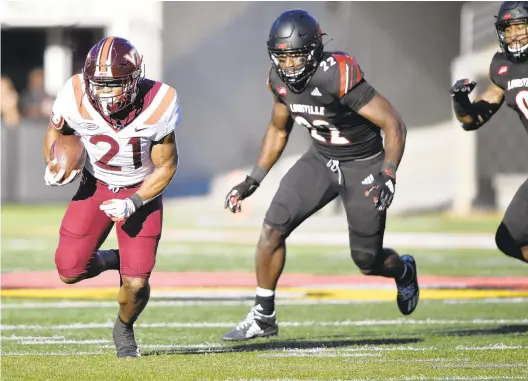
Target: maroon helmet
{"x": 113, "y": 63}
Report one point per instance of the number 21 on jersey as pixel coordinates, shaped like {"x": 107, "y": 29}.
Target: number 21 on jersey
{"x": 335, "y": 136}
{"x": 112, "y": 152}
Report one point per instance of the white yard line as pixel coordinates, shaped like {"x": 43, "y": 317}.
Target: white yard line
{"x": 364, "y": 351}
{"x": 21, "y": 338}
{"x": 346, "y": 323}
{"x": 63, "y": 342}
{"x": 212, "y": 303}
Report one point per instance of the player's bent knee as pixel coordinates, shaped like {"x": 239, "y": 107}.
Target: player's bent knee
{"x": 270, "y": 238}
{"x": 278, "y": 217}
{"x": 364, "y": 260}
{"x": 506, "y": 242}
{"x": 70, "y": 274}
{"x": 70, "y": 280}
{"x": 135, "y": 285}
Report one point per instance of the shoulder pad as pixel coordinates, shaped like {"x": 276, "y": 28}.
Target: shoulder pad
{"x": 344, "y": 72}
{"x": 499, "y": 68}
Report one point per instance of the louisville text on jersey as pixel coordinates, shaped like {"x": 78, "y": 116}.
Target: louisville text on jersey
{"x": 307, "y": 109}
{"x": 514, "y": 83}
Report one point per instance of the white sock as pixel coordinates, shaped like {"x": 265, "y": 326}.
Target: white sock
{"x": 262, "y": 292}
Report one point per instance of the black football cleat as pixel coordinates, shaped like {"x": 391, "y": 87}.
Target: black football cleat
{"x": 409, "y": 292}
{"x": 124, "y": 340}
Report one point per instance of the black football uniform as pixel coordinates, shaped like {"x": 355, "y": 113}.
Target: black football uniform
{"x": 346, "y": 149}
{"x": 328, "y": 105}
{"x": 513, "y": 79}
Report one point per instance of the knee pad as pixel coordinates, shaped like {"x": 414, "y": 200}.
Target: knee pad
{"x": 507, "y": 243}
{"x": 364, "y": 260}
{"x": 278, "y": 217}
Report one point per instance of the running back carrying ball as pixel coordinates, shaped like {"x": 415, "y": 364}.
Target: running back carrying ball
{"x": 68, "y": 154}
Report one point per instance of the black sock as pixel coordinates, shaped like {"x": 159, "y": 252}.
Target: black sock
{"x": 267, "y": 303}
{"x": 124, "y": 324}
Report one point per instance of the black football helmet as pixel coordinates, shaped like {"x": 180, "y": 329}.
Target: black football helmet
{"x": 296, "y": 35}
{"x": 512, "y": 12}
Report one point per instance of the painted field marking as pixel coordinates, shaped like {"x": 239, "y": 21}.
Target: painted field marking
{"x": 295, "y": 293}
{"x": 346, "y": 323}
{"x": 211, "y": 303}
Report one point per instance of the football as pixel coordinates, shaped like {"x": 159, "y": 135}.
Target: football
{"x": 69, "y": 152}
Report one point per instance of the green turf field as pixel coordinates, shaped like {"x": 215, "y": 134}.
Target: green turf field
{"x": 443, "y": 340}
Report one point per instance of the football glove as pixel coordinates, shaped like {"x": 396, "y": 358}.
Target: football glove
{"x": 57, "y": 179}
{"x": 239, "y": 192}
{"x": 462, "y": 87}
{"x": 381, "y": 187}
{"x": 118, "y": 210}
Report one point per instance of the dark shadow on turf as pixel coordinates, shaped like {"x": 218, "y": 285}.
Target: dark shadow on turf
{"x": 279, "y": 345}
{"x": 501, "y": 330}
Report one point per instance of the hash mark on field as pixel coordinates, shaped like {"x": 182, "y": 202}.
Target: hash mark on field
{"x": 346, "y": 323}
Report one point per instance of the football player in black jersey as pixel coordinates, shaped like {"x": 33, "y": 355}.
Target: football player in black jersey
{"x": 326, "y": 92}
{"x": 509, "y": 74}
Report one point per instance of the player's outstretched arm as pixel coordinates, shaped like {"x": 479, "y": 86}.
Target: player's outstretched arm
{"x": 272, "y": 147}
{"x": 274, "y": 140}
{"x": 380, "y": 112}
{"x": 474, "y": 115}
{"x": 164, "y": 155}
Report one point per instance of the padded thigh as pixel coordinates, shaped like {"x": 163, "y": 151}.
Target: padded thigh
{"x": 306, "y": 188}
{"x": 516, "y": 216}
{"x": 366, "y": 224}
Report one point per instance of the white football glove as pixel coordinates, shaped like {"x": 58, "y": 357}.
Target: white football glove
{"x": 118, "y": 210}
{"x": 56, "y": 179}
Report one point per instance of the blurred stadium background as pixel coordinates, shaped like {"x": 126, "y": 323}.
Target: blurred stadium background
{"x": 452, "y": 188}
{"x": 214, "y": 54}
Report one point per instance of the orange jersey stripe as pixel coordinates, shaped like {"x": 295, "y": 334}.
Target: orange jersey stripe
{"x": 162, "y": 108}
{"x": 348, "y": 77}
{"x": 78, "y": 90}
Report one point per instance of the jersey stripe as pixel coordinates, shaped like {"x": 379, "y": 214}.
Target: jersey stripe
{"x": 349, "y": 73}
{"x": 163, "y": 106}
{"x": 79, "y": 97}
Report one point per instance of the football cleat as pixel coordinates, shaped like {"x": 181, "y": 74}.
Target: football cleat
{"x": 125, "y": 341}
{"x": 255, "y": 325}
{"x": 409, "y": 292}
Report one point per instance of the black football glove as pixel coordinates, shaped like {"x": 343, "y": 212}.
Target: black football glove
{"x": 462, "y": 87}
{"x": 239, "y": 192}
{"x": 381, "y": 187}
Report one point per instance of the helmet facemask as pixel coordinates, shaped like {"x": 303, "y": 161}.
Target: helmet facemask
{"x": 515, "y": 47}
{"x": 295, "y": 67}
{"x": 110, "y": 95}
